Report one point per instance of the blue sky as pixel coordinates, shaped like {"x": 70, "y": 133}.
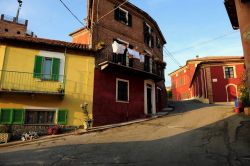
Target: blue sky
{"x": 184, "y": 23}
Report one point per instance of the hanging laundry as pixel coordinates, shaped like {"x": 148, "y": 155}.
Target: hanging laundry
{"x": 118, "y": 48}
{"x": 142, "y": 58}
{"x": 134, "y": 53}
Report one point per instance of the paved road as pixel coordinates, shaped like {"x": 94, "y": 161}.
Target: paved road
{"x": 194, "y": 134}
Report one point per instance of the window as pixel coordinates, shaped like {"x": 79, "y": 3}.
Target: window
{"x": 6, "y": 30}
{"x": 147, "y": 64}
{"x": 148, "y": 35}
{"x": 229, "y": 72}
{"x": 122, "y": 90}
{"x": 158, "y": 44}
{"x": 18, "y": 32}
{"x": 39, "y": 117}
{"x": 181, "y": 81}
{"x": 123, "y": 16}
{"x": 46, "y": 68}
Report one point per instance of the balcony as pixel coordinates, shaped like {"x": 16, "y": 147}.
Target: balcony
{"x": 30, "y": 83}
{"x": 150, "y": 68}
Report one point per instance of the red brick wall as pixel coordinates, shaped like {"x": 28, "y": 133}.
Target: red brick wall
{"x": 13, "y": 28}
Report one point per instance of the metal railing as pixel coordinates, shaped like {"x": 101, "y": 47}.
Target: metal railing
{"x": 13, "y": 19}
{"x": 107, "y": 55}
{"x": 31, "y": 82}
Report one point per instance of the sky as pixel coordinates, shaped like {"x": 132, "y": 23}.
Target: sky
{"x": 191, "y": 27}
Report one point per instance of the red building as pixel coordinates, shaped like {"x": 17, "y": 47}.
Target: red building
{"x": 209, "y": 79}
{"x": 129, "y": 74}
{"x": 239, "y": 12}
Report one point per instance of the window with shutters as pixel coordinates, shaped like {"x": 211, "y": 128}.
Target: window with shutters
{"x": 122, "y": 90}
{"x": 158, "y": 43}
{"x": 40, "y": 117}
{"x": 123, "y": 16}
{"x": 47, "y": 68}
{"x": 148, "y": 35}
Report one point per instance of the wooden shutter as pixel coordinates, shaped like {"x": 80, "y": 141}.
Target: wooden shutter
{"x": 55, "y": 69}
{"x": 62, "y": 116}
{"x": 6, "y": 116}
{"x": 38, "y": 67}
{"x": 18, "y": 116}
{"x": 130, "y": 20}
{"x": 152, "y": 41}
{"x": 117, "y": 14}
{"x": 145, "y": 32}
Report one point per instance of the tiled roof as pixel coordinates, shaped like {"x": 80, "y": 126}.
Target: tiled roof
{"x": 216, "y": 58}
{"x": 42, "y": 41}
{"x": 210, "y": 59}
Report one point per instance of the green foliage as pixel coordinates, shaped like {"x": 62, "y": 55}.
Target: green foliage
{"x": 244, "y": 94}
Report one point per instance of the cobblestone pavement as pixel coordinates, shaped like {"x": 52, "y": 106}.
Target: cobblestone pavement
{"x": 193, "y": 134}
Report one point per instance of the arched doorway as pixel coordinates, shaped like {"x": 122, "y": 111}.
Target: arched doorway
{"x": 231, "y": 90}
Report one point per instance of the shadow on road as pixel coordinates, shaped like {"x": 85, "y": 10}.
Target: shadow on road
{"x": 211, "y": 145}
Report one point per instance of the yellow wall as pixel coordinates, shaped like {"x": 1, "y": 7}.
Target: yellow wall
{"x": 79, "y": 71}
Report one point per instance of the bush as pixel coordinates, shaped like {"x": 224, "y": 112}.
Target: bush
{"x": 244, "y": 94}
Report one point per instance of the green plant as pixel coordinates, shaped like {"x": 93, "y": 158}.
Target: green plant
{"x": 244, "y": 93}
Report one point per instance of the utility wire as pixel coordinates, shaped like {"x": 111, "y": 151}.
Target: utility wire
{"x": 204, "y": 42}
{"x": 171, "y": 56}
{"x": 72, "y": 13}
{"x": 112, "y": 10}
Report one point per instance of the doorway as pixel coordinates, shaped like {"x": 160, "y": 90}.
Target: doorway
{"x": 149, "y": 97}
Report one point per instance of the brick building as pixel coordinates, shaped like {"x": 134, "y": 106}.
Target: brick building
{"x": 128, "y": 84}
{"x": 10, "y": 26}
{"x": 208, "y": 79}
{"x": 239, "y": 12}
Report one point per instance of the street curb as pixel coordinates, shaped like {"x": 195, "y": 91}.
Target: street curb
{"x": 93, "y": 130}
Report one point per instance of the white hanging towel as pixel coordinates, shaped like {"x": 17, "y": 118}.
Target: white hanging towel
{"x": 118, "y": 48}
{"x": 142, "y": 58}
{"x": 134, "y": 53}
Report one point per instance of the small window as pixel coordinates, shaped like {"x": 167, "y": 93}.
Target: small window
{"x": 158, "y": 44}
{"x": 148, "y": 35}
{"x": 6, "y": 30}
{"x": 122, "y": 90}
{"x": 229, "y": 72}
{"x": 39, "y": 117}
{"x": 123, "y": 16}
{"x": 18, "y": 32}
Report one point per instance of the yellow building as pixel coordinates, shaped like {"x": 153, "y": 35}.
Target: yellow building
{"x": 44, "y": 82}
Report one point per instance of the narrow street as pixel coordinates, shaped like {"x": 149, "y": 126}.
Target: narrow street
{"x": 193, "y": 134}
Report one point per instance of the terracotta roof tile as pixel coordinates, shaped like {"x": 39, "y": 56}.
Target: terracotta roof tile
{"x": 43, "y": 41}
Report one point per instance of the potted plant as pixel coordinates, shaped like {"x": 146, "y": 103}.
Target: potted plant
{"x": 4, "y": 133}
{"x": 244, "y": 95}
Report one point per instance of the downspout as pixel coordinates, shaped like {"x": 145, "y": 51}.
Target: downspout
{"x": 64, "y": 72}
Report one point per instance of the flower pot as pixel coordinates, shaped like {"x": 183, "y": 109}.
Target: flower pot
{"x": 5, "y": 137}
{"x": 247, "y": 111}
{"x": 237, "y": 110}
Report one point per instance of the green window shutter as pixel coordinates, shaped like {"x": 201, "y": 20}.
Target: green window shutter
{"x": 38, "y": 67}
{"x": 62, "y": 116}
{"x": 55, "y": 69}
{"x": 18, "y": 116}
{"x": 6, "y": 116}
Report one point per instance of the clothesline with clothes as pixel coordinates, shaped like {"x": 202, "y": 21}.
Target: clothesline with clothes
{"x": 131, "y": 53}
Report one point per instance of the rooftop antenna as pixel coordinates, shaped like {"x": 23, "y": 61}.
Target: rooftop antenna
{"x": 19, "y": 8}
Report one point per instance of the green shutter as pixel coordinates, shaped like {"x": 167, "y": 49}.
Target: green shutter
{"x": 38, "y": 67}
{"x": 18, "y": 116}
{"x": 6, "y": 116}
{"x": 62, "y": 117}
{"x": 55, "y": 69}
